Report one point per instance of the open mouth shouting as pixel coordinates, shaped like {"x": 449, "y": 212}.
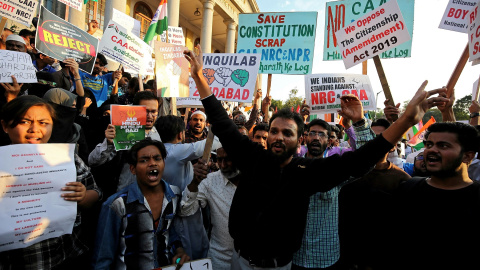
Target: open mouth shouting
{"x": 432, "y": 160}
{"x": 278, "y": 147}
{"x": 33, "y": 139}
{"x": 153, "y": 175}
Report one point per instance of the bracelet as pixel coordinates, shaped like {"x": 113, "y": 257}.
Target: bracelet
{"x": 473, "y": 115}
{"x": 77, "y": 79}
{"x": 360, "y": 123}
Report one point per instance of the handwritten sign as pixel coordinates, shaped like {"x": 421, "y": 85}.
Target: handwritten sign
{"x": 172, "y": 70}
{"x": 474, "y": 34}
{"x": 175, "y": 36}
{"x": 286, "y": 41}
{"x": 31, "y": 178}
{"x": 76, "y": 4}
{"x": 129, "y": 122}
{"x": 323, "y": 91}
{"x": 60, "y": 39}
{"x": 21, "y": 11}
{"x": 338, "y": 14}
{"x": 128, "y": 22}
{"x": 16, "y": 64}
{"x": 231, "y": 76}
{"x": 202, "y": 264}
{"x": 456, "y": 17}
{"x": 124, "y": 47}
{"x": 376, "y": 32}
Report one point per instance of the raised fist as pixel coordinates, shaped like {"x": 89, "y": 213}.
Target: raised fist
{"x": 223, "y": 76}
{"x": 240, "y": 77}
{"x": 209, "y": 73}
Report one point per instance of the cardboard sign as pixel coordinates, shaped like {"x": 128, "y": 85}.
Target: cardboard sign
{"x": 175, "y": 36}
{"x": 231, "y": 76}
{"x": 474, "y": 34}
{"x": 172, "y": 70}
{"x": 456, "y": 17}
{"x": 338, "y": 14}
{"x": 378, "y": 31}
{"x": 21, "y": 11}
{"x": 286, "y": 41}
{"x": 76, "y": 4}
{"x": 16, "y": 64}
{"x": 129, "y": 122}
{"x": 61, "y": 40}
{"x": 189, "y": 102}
{"x": 128, "y": 22}
{"x": 323, "y": 91}
{"x": 124, "y": 47}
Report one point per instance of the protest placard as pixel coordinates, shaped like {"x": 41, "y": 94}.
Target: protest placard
{"x": 231, "y": 76}
{"x": 128, "y": 22}
{"x": 124, "y": 47}
{"x": 201, "y": 264}
{"x": 286, "y": 41}
{"x": 338, "y": 14}
{"x": 175, "y": 36}
{"x": 172, "y": 70}
{"x": 456, "y": 17}
{"x": 32, "y": 176}
{"x": 60, "y": 39}
{"x": 76, "y": 4}
{"x": 380, "y": 30}
{"x": 475, "y": 90}
{"x": 16, "y": 64}
{"x": 129, "y": 122}
{"x": 323, "y": 91}
{"x": 21, "y": 11}
{"x": 474, "y": 34}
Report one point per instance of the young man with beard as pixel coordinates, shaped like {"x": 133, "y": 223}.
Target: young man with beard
{"x": 215, "y": 189}
{"x": 99, "y": 84}
{"x": 437, "y": 218}
{"x": 197, "y": 131}
{"x": 320, "y": 247}
{"x": 260, "y": 134}
{"x": 268, "y": 212}
{"x": 136, "y": 226}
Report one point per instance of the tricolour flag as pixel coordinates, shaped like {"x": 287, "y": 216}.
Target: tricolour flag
{"x": 417, "y": 140}
{"x": 159, "y": 22}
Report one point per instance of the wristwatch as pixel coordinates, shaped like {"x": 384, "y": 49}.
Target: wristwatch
{"x": 360, "y": 123}
{"x": 472, "y": 115}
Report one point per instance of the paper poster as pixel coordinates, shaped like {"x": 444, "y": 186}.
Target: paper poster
{"x": 21, "y": 11}
{"x": 201, "y": 264}
{"x": 475, "y": 90}
{"x": 31, "y": 178}
{"x": 175, "y": 36}
{"x": 129, "y": 122}
{"x": 126, "y": 21}
{"x": 16, "y": 64}
{"x": 323, "y": 91}
{"x": 456, "y": 17}
{"x": 172, "y": 70}
{"x": 339, "y": 14}
{"x": 189, "y": 102}
{"x": 380, "y": 30}
{"x": 285, "y": 41}
{"x": 124, "y": 47}
{"x": 231, "y": 76}
{"x": 60, "y": 39}
{"x": 76, "y": 4}
{"x": 474, "y": 35}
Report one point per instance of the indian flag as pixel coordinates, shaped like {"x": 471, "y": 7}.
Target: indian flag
{"x": 159, "y": 22}
{"x": 417, "y": 140}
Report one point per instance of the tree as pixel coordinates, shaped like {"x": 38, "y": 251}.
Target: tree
{"x": 460, "y": 108}
{"x": 293, "y": 100}
{"x": 436, "y": 113}
{"x": 276, "y": 104}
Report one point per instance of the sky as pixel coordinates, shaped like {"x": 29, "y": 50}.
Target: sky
{"x": 435, "y": 53}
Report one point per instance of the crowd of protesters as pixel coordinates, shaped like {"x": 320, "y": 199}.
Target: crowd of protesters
{"x": 279, "y": 191}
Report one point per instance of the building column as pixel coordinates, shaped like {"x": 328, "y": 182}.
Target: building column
{"x": 173, "y": 12}
{"x": 206, "y": 36}
{"x": 231, "y": 29}
{"x": 77, "y": 18}
{"x": 109, "y": 5}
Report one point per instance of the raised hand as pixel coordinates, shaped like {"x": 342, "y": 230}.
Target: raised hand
{"x": 390, "y": 110}
{"x": 422, "y": 102}
{"x": 351, "y": 108}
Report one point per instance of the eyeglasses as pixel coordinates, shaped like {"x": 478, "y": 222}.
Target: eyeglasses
{"x": 320, "y": 134}
{"x": 419, "y": 158}
{"x": 152, "y": 112}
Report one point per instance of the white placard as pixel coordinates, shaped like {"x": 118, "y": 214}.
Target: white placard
{"x": 18, "y": 64}
{"x": 126, "y": 21}
{"x": 31, "y": 178}
{"x": 76, "y": 4}
{"x": 323, "y": 91}
{"x": 474, "y": 89}
{"x": 474, "y": 34}
{"x": 455, "y": 17}
{"x": 378, "y": 31}
{"x": 175, "y": 36}
{"x": 19, "y": 10}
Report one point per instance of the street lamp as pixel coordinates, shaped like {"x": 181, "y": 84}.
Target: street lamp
{"x": 376, "y": 102}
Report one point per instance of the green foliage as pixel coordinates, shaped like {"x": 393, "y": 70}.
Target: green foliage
{"x": 460, "y": 108}
{"x": 276, "y": 104}
{"x": 293, "y": 100}
{"x": 436, "y": 113}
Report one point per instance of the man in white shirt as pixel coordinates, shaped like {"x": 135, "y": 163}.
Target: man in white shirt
{"x": 216, "y": 190}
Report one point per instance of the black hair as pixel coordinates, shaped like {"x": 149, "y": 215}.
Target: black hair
{"x": 287, "y": 114}
{"x": 381, "y": 123}
{"x": 103, "y": 60}
{"x": 133, "y": 84}
{"x": 127, "y": 75}
{"x": 261, "y": 126}
{"x": 169, "y": 126}
{"x": 151, "y": 83}
{"x": 132, "y": 154}
{"x": 467, "y": 135}
{"x": 14, "y": 110}
{"x": 335, "y": 129}
{"x": 319, "y": 122}
{"x": 143, "y": 95}
{"x": 25, "y": 33}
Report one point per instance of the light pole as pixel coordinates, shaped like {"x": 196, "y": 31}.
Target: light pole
{"x": 376, "y": 102}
